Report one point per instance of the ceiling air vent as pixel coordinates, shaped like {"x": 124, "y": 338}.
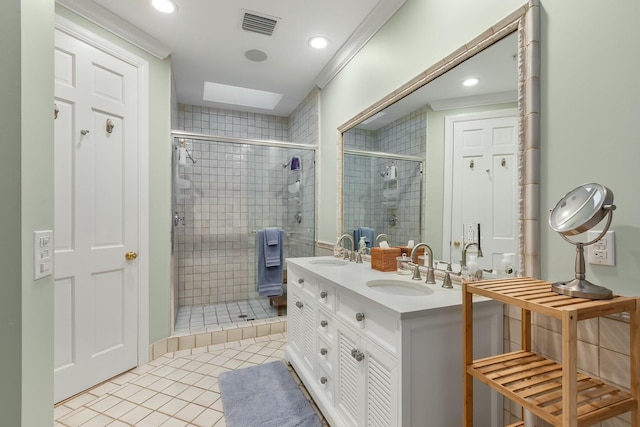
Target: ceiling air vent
{"x": 260, "y": 24}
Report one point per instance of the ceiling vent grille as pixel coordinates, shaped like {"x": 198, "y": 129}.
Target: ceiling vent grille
{"x": 260, "y": 24}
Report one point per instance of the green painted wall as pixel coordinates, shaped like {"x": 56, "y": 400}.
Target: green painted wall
{"x": 10, "y": 254}
{"x": 26, "y": 189}
{"x": 591, "y": 126}
{"x": 159, "y": 179}
{"x": 590, "y": 107}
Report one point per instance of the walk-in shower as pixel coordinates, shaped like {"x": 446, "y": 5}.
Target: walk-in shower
{"x": 223, "y": 192}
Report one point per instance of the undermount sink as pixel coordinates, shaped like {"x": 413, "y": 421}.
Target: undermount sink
{"x": 325, "y": 261}
{"x": 399, "y": 287}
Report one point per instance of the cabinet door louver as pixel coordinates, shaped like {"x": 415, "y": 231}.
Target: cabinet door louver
{"x": 308, "y": 336}
{"x": 379, "y": 412}
{"x": 348, "y": 379}
{"x": 295, "y": 326}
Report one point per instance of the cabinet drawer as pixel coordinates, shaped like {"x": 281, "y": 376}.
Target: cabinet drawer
{"x": 325, "y": 354}
{"x": 325, "y": 325}
{"x": 324, "y": 382}
{"x": 304, "y": 281}
{"x": 377, "y": 323}
{"x": 326, "y": 295}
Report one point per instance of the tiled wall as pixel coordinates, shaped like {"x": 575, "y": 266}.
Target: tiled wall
{"x": 603, "y": 351}
{"x": 364, "y": 187}
{"x": 236, "y": 189}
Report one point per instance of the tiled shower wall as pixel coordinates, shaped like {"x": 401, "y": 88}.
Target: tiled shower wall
{"x": 236, "y": 189}
{"x": 364, "y": 186}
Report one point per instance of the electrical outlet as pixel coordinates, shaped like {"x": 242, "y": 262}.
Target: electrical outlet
{"x": 603, "y": 251}
{"x": 470, "y": 233}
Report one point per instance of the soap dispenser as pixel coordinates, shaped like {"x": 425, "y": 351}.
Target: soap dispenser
{"x": 506, "y": 266}
{"x": 472, "y": 267}
{"x": 362, "y": 245}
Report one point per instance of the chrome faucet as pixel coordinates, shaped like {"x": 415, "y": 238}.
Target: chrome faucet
{"x": 431, "y": 277}
{"x": 381, "y": 235}
{"x": 346, "y": 251}
{"x": 463, "y": 262}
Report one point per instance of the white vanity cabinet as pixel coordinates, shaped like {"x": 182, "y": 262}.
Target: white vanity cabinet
{"x": 372, "y": 359}
{"x": 366, "y": 381}
{"x": 301, "y": 320}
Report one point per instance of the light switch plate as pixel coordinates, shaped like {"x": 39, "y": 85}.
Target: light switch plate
{"x": 602, "y": 252}
{"x": 42, "y": 254}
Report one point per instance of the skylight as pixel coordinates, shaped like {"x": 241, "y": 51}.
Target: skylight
{"x": 235, "y": 95}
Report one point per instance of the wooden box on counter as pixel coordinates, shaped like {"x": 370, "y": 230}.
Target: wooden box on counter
{"x": 384, "y": 259}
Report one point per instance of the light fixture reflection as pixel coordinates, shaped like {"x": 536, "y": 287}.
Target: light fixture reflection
{"x": 164, "y": 6}
{"x": 318, "y": 42}
{"x": 470, "y": 82}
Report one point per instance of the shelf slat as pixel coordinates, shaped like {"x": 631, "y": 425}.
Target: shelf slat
{"x": 537, "y": 296}
{"x": 537, "y": 386}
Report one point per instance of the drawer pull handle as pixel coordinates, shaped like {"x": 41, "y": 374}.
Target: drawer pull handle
{"x": 301, "y": 280}
{"x": 324, "y": 323}
{"x": 299, "y": 304}
{"x": 323, "y": 351}
{"x": 358, "y": 355}
{"x": 323, "y": 380}
{"x": 323, "y": 294}
{"x": 359, "y": 317}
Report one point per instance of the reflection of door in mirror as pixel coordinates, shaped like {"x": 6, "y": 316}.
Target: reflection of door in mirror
{"x": 481, "y": 185}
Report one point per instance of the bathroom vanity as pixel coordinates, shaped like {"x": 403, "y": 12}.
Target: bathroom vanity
{"x": 379, "y": 349}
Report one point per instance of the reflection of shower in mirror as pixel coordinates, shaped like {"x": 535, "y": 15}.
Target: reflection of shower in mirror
{"x": 390, "y": 172}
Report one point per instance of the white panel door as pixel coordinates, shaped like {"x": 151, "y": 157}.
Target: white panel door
{"x": 96, "y": 216}
{"x": 484, "y": 186}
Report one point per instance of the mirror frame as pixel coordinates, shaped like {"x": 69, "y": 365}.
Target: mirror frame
{"x": 526, "y": 22}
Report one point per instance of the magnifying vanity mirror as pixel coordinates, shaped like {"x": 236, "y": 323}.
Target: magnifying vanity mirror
{"x": 578, "y": 211}
{"x": 434, "y": 159}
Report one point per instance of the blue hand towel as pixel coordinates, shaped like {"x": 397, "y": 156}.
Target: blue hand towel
{"x": 269, "y": 278}
{"x": 272, "y": 246}
{"x": 368, "y": 233}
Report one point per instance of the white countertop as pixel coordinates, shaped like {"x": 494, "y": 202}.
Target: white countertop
{"x": 355, "y": 276}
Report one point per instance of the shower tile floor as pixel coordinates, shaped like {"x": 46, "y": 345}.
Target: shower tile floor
{"x": 210, "y": 317}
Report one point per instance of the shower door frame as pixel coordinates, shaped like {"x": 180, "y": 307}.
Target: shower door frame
{"x": 178, "y": 134}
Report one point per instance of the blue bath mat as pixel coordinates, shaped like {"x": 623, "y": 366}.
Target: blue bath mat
{"x": 265, "y": 396}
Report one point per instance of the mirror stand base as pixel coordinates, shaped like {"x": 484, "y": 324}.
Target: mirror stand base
{"x": 581, "y": 288}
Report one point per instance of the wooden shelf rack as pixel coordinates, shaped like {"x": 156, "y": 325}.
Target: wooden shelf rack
{"x": 555, "y": 392}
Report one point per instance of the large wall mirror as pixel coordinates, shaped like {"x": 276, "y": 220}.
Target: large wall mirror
{"x": 435, "y": 158}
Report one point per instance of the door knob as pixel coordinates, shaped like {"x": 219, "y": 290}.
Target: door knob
{"x": 130, "y": 256}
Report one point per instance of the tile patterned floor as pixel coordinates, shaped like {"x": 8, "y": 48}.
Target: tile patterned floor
{"x": 176, "y": 390}
{"x": 199, "y": 318}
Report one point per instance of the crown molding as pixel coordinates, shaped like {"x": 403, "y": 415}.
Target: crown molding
{"x": 474, "y": 101}
{"x": 114, "y": 24}
{"x": 367, "y": 29}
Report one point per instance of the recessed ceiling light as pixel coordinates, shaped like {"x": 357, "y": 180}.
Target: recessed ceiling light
{"x": 470, "y": 82}
{"x": 164, "y": 6}
{"x": 318, "y": 42}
